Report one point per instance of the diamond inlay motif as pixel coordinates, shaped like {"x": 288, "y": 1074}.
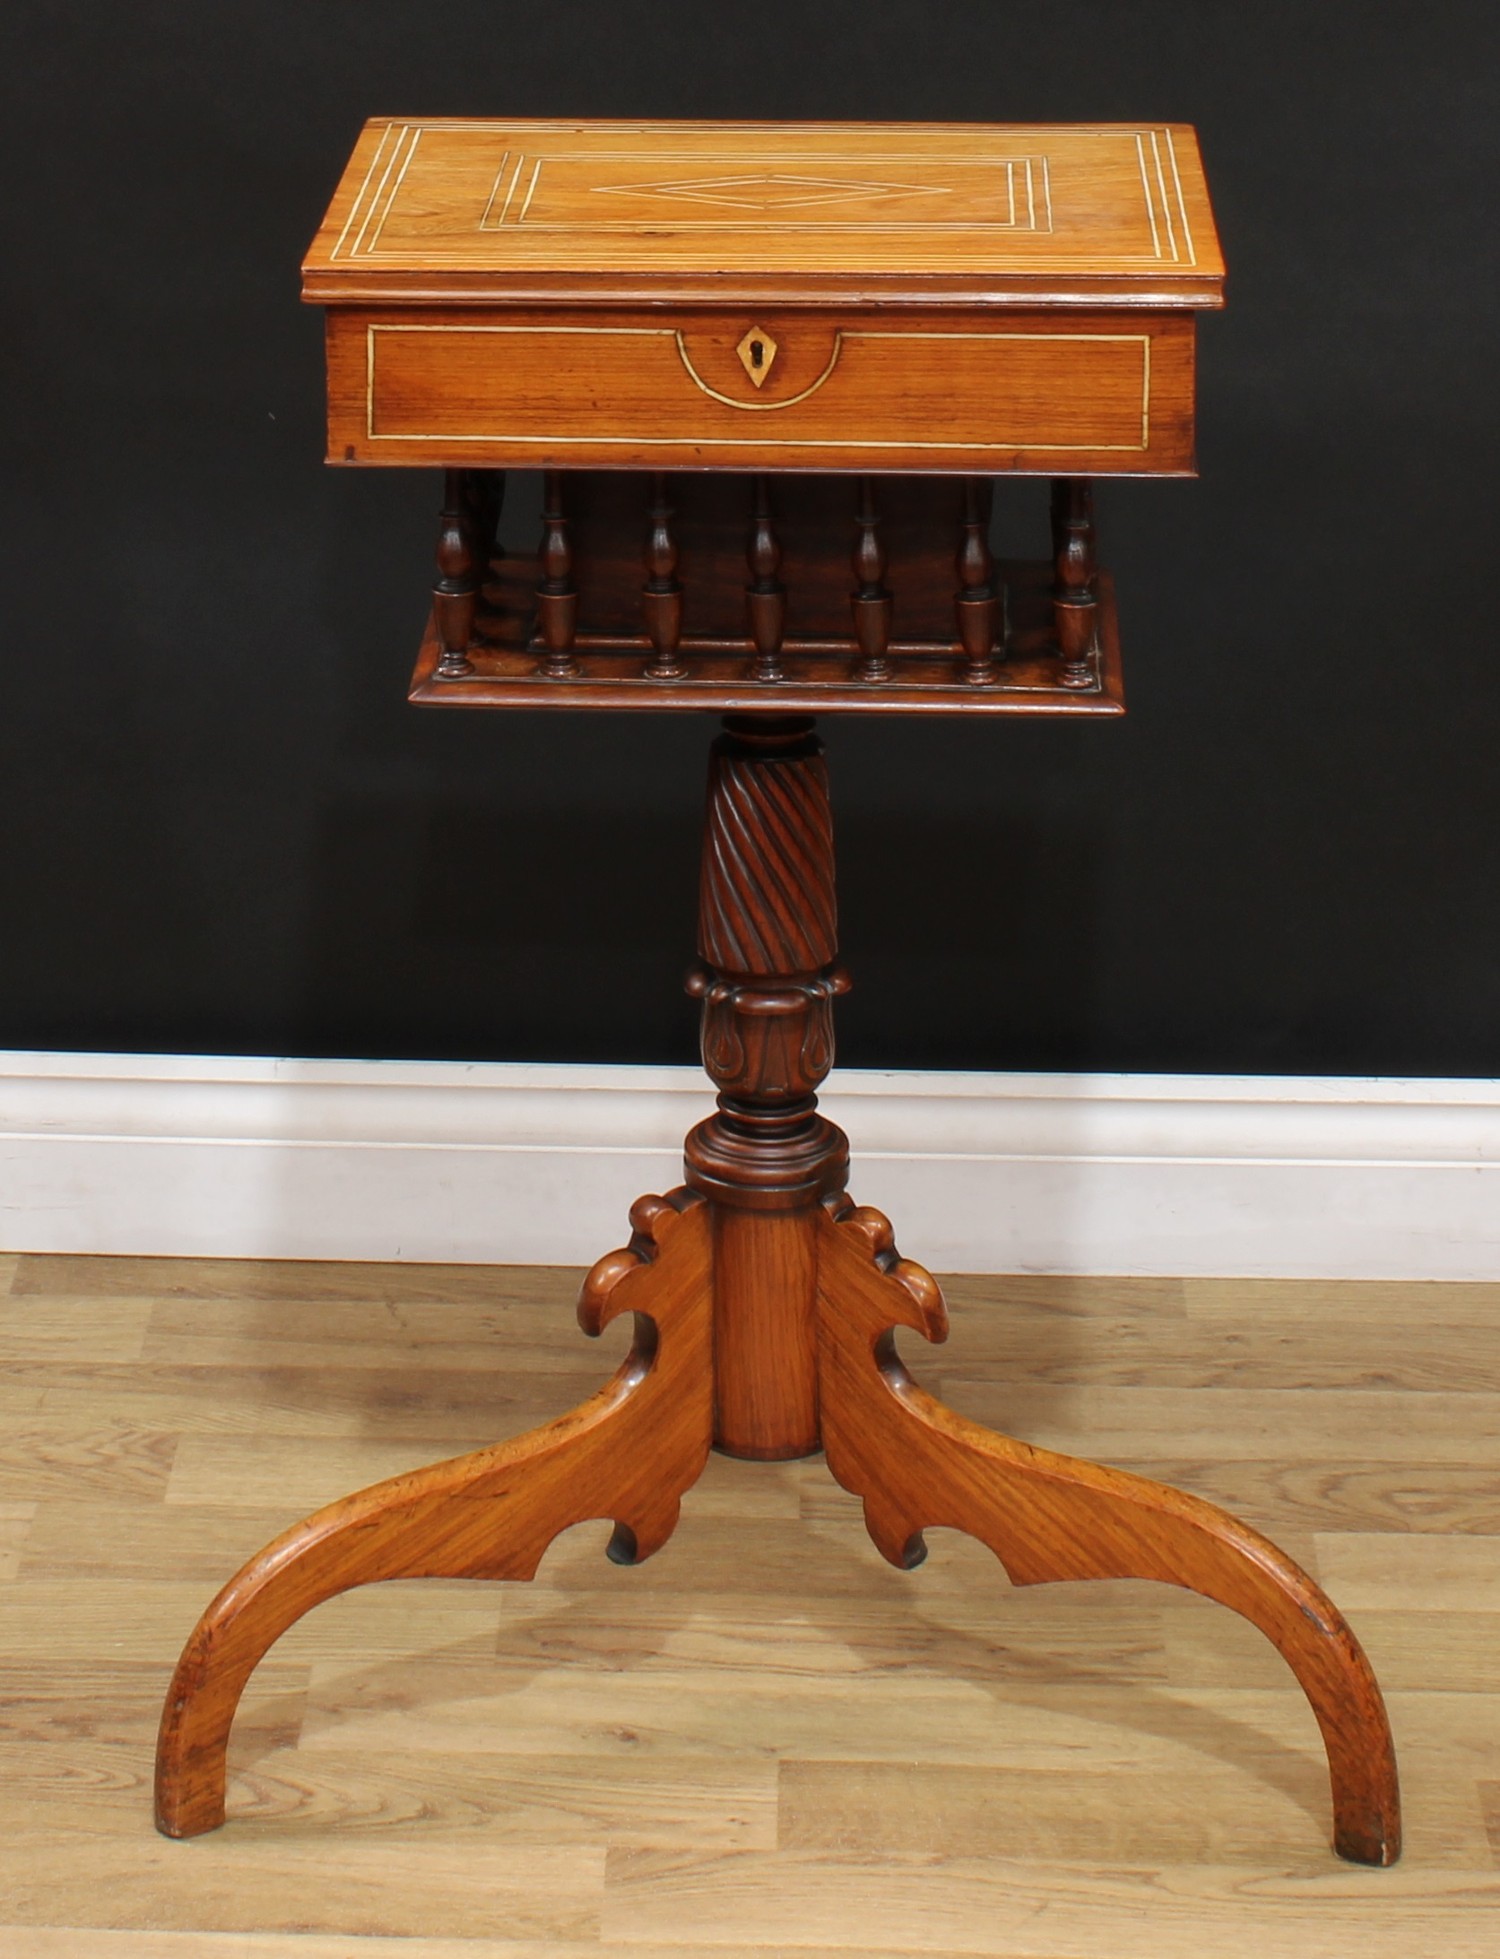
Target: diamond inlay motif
{"x": 772, "y": 190}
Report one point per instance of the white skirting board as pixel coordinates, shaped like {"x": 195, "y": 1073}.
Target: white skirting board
{"x": 526, "y": 1164}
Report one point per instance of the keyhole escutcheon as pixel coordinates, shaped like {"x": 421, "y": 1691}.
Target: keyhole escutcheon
{"x": 757, "y": 350}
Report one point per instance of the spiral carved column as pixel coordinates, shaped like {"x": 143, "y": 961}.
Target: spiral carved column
{"x": 767, "y": 940}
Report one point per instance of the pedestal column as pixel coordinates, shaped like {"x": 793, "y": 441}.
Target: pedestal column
{"x": 767, "y": 939}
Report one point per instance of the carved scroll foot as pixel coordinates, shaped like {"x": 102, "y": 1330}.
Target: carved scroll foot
{"x": 1048, "y": 1516}
{"x": 628, "y": 1453}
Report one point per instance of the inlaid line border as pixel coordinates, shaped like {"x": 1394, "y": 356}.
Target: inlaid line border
{"x": 1165, "y": 204}
{"x": 372, "y": 328}
{"x": 408, "y": 135}
{"x": 485, "y": 223}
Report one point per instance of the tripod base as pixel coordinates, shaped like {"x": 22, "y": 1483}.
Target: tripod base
{"x": 632, "y": 1450}
{"x": 765, "y": 1306}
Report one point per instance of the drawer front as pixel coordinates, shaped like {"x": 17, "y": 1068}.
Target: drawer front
{"x": 1084, "y": 395}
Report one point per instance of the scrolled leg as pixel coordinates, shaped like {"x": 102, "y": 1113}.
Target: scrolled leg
{"x": 1047, "y": 1516}
{"x": 627, "y": 1453}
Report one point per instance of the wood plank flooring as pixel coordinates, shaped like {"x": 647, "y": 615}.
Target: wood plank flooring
{"x": 764, "y": 1740}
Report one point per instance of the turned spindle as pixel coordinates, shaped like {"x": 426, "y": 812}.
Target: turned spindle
{"x": 456, "y": 593}
{"x": 1074, "y": 597}
{"x": 871, "y": 601}
{"x": 556, "y": 593}
{"x": 977, "y": 604}
{"x": 765, "y": 596}
{"x": 661, "y": 596}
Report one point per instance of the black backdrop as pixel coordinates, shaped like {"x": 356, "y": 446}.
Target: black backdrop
{"x": 224, "y": 830}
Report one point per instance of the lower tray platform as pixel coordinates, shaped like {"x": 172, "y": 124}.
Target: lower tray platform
{"x": 926, "y": 678}
{"x": 920, "y": 522}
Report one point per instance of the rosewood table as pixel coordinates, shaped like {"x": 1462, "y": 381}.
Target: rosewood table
{"x": 769, "y": 373}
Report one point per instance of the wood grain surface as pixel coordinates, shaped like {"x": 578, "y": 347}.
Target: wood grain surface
{"x": 765, "y": 1737}
{"x": 1090, "y": 392}
{"x": 452, "y": 208}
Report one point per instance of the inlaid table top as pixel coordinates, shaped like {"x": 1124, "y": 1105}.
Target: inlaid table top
{"x": 1114, "y": 213}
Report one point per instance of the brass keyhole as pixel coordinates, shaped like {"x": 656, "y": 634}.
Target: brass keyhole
{"x": 757, "y": 350}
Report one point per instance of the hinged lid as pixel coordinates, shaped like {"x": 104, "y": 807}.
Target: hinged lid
{"x": 1109, "y": 213}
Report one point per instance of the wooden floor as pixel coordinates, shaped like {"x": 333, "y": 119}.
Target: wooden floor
{"x": 765, "y": 1739}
